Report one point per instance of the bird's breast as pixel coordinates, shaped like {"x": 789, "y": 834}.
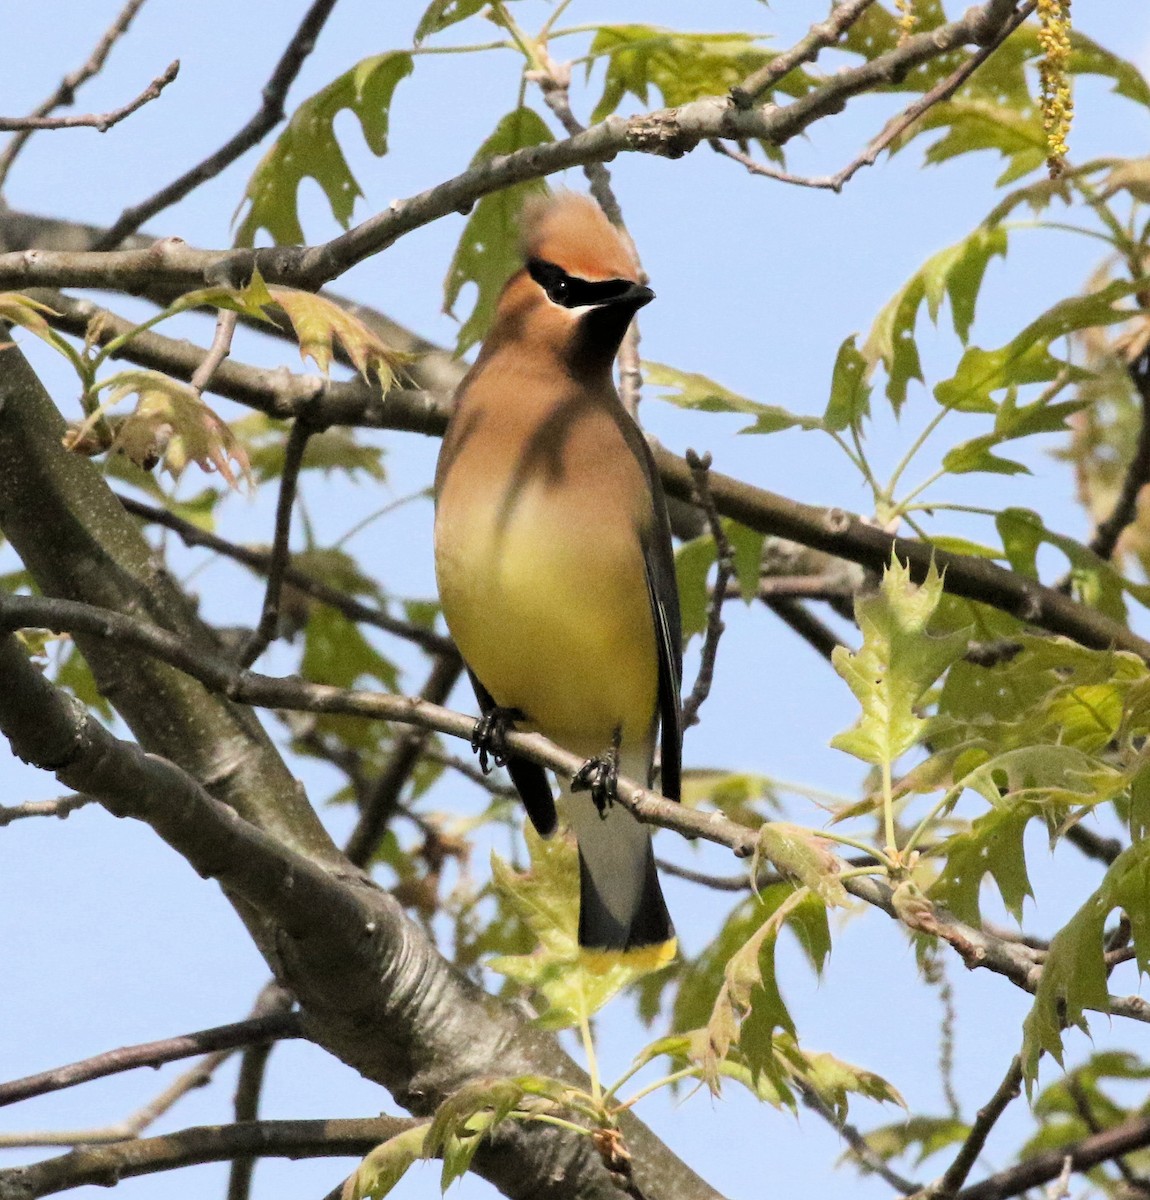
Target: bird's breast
{"x": 541, "y": 574}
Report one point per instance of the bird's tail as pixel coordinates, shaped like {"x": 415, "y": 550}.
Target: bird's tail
{"x": 622, "y": 913}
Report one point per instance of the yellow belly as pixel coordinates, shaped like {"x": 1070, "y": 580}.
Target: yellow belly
{"x": 552, "y": 615}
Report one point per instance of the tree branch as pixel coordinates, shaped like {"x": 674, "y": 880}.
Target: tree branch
{"x": 984, "y": 1122}
{"x": 269, "y": 114}
{"x": 1105, "y": 539}
{"x": 667, "y": 133}
{"x": 101, "y": 121}
{"x": 61, "y": 807}
{"x": 977, "y": 948}
{"x": 151, "y": 1054}
{"x": 1042, "y": 1168}
{"x": 280, "y": 555}
{"x": 105, "y": 1166}
{"x": 65, "y": 93}
{"x": 365, "y": 976}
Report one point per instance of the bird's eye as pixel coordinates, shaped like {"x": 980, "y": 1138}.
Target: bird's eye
{"x": 559, "y": 290}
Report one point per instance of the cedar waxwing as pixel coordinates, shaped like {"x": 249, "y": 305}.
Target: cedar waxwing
{"x": 554, "y": 562}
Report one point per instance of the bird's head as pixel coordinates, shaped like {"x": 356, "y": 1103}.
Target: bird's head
{"x": 580, "y": 285}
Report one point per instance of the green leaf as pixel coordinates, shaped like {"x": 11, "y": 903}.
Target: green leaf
{"x": 801, "y": 856}
{"x": 1026, "y": 357}
{"x": 897, "y": 662}
{"x": 686, "y": 389}
{"x": 747, "y": 547}
{"x": 849, "y": 404}
{"x": 386, "y": 1165}
{"x": 308, "y": 148}
{"x": 338, "y": 654}
{"x": 1074, "y": 974}
{"x": 546, "y": 899}
{"x": 488, "y": 250}
{"x": 955, "y": 273}
{"x": 441, "y": 14}
{"x": 682, "y": 66}
{"x": 928, "y": 1134}
{"x": 693, "y": 562}
{"x": 993, "y": 845}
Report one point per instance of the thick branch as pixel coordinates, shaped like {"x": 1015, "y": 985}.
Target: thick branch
{"x": 371, "y": 988}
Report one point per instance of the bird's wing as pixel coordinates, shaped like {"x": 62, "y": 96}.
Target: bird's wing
{"x": 529, "y": 778}
{"x": 663, "y": 588}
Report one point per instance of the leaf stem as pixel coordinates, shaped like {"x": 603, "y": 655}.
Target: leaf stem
{"x": 674, "y": 1077}
{"x": 589, "y": 1047}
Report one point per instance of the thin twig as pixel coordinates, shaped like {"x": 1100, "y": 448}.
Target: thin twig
{"x": 383, "y": 801}
{"x": 725, "y": 556}
{"x": 859, "y": 1148}
{"x": 151, "y": 1054}
{"x": 955, "y": 1175}
{"x": 253, "y": 1070}
{"x": 133, "y": 1125}
{"x": 101, "y": 121}
{"x": 1081, "y": 1101}
{"x": 219, "y": 350}
{"x": 61, "y": 808}
{"x": 278, "y": 562}
{"x": 1125, "y": 511}
{"x": 1043, "y": 1168}
{"x": 894, "y": 128}
{"x": 260, "y": 561}
{"x": 490, "y": 783}
{"x": 65, "y": 93}
{"x": 807, "y": 49}
{"x": 977, "y": 948}
{"x": 269, "y": 114}
{"x": 1094, "y": 845}
{"x": 107, "y": 1165}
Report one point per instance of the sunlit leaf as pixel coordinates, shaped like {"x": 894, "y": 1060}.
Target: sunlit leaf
{"x": 385, "y": 1166}
{"x": 899, "y": 659}
{"x": 686, "y": 389}
{"x": 308, "y": 148}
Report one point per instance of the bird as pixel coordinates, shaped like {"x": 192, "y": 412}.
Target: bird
{"x": 555, "y": 566}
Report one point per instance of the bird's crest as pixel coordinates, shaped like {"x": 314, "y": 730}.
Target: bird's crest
{"x": 571, "y": 231}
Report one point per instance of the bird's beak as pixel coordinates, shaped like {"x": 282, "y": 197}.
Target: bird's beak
{"x": 636, "y": 296}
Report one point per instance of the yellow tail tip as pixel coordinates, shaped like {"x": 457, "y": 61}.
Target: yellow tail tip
{"x": 639, "y": 959}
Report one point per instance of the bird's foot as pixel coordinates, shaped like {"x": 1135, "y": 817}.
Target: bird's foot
{"x": 489, "y": 740}
{"x": 600, "y": 777}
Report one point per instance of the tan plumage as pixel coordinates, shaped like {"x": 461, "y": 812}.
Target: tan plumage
{"x": 553, "y": 552}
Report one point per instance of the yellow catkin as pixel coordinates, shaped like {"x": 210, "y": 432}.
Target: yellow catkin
{"x": 906, "y": 19}
{"x": 1057, "y": 102}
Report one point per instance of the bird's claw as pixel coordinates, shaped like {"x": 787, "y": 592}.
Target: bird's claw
{"x": 600, "y": 777}
{"x": 489, "y": 739}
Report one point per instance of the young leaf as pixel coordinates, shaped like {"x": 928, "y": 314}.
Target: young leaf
{"x": 682, "y": 66}
{"x": 17, "y": 309}
{"x": 693, "y": 561}
{"x": 440, "y": 14}
{"x": 1074, "y": 974}
{"x": 170, "y": 422}
{"x": 546, "y": 899}
{"x": 686, "y": 389}
{"x": 317, "y": 321}
{"x": 308, "y": 148}
{"x": 849, "y": 404}
{"x": 897, "y": 662}
{"x": 386, "y": 1165}
{"x": 955, "y": 273}
{"x": 1026, "y": 358}
{"x": 928, "y": 1134}
{"x": 488, "y": 251}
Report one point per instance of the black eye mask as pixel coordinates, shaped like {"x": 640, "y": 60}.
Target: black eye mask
{"x": 572, "y": 292}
